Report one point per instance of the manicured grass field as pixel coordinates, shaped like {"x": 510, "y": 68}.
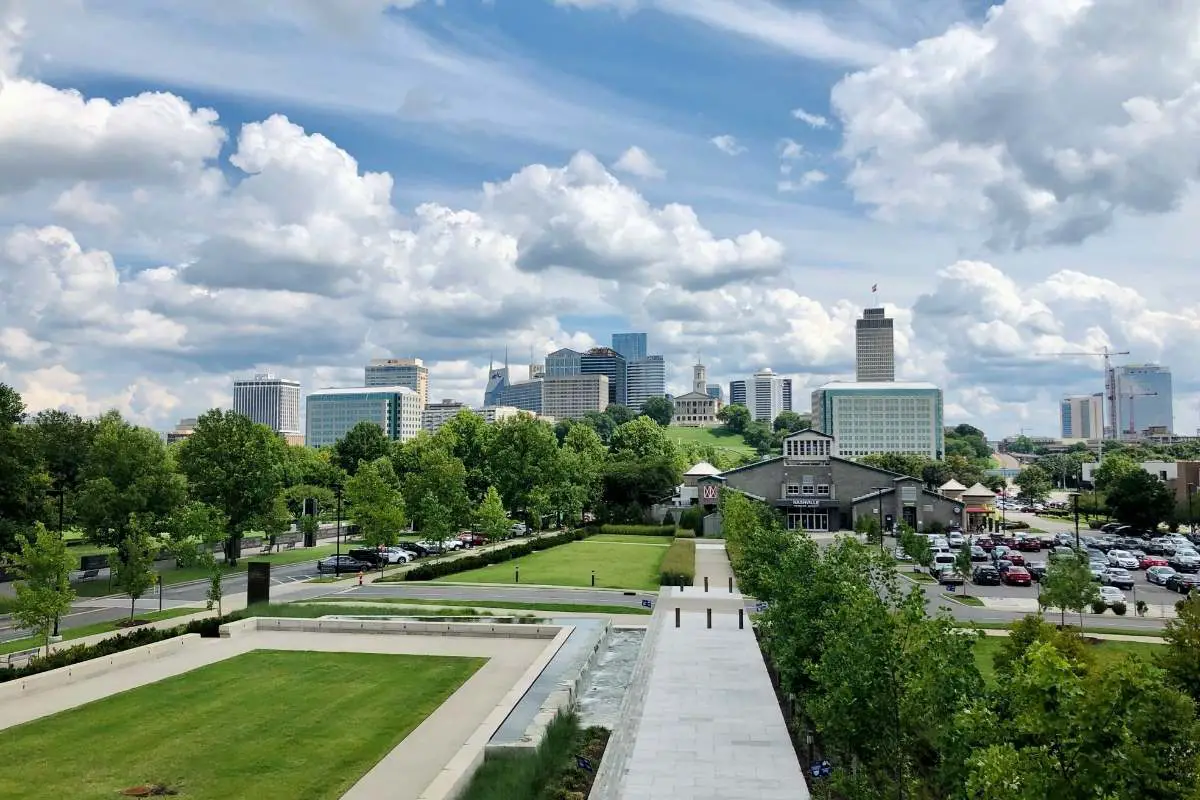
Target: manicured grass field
{"x": 617, "y": 566}
{"x": 270, "y": 725}
{"x": 577, "y": 608}
{"x": 1105, "y": 651}
{"x": 717, "y": 437}
{"x": 624, "y": 538}
{"x": 99, "y": 627}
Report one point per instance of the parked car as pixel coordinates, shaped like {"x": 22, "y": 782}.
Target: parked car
{"x": 1115, "y": 576}
{"x": 370, "y": 557}
{"x": 397, "y": 555}
{"x": 1159, "y": 575}
{"x": 1182, "y": 582}
{"x": 1030, "y": 544}
{"x": 942, "y": 559}
{"x": 985, "y": 575}
{"x": 979, "y": 554}
{"x": 955, "y": 539}
{"x": 1148, "y": 561}
{"x": 432, "y": 547}
{"x": 1016, "y": 558}
{"x": 1111, "y": 595}
{"x": 1109, "y": 527}
{"x": 985, "y": 542}
{"x": 472, "y": 539}
{"x": 518, "y": 529}
{"x": 1098, "y": 569}
{"x": 1130, "y": 542}
{"x": 1156, "y": 546}
{"x": 1062, "y": 552}
{"x": 1017, "y": 576}
{"x": 414, "y": 548}
{"x": 338, "y": 564}
{"x": 1122, "y": 558}
{"x": 1000, "y": 551}
{"x": 1185, "y": 561}
{"x": 1036, "y": 569}
{"x": 948, "y": 576}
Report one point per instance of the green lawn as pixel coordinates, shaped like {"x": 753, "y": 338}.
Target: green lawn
{"x": 577, "y": 608}
{"x": 7, "y": 603}
{"x": 1106, "y": 652}
{"x": 617, "y": 566}
{"x": 172, "y": 575}
{"x": 99, "y": 627}
{"x": 998, "y": 626}
{"x": 624, "y": 538}
{"x": 966, "y": 600}
{"x": 270, "y": 725}
{"x": 717, "y": 437}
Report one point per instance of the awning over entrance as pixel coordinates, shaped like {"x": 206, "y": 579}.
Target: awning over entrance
{"x": 977, "y": 510}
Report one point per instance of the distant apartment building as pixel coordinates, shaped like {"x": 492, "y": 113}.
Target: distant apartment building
{"x": 874, "y": 348}
{"x": 572, "y": 396}
{"x": 881, "y": 417}
{"x": 563, "y": 361}
{"x": 647, "y": 378}
{"x": 787, "y": 394}
{"x": 1082, "y": 416}
{"x": 633, "y": 346}
{"x": 271, "y": 401}
{"x": 1141, "y": 398}
{"x": 331, "y": 413}
{"x": 612, "y": 365}
{"x": 764, "y": 391}
{"x": 737, "y": 393}
{"x": 436, "y": 415}
{"x": 410, "y": 372}
{"x": 697, "y": 408}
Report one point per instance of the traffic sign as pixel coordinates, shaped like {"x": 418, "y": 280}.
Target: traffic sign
{"x": 647, "y": 604}
{"x": 760, "y": 606}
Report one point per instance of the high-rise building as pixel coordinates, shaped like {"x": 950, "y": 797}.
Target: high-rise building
{"x": 882, "y": 417}
{"x": 331, "y": 413}
{"x": 630, "y": 345}
{"x": 563, "y": 361}
{"x": 647, "y": 378}
{"x": 572, "y": 396}
{"x": 1142, "y": 399}
{"x": 611, "y": 364}
{"x": 270, "y": 401}
{"x": 713, "y": 390}
{"x": 764, "y": 391}
{"x": 737, "y": 393}
{"x": 435, "y": 415}
{"x": 874, "y": 347}
{"x": 1082, "y": 416}
{"x": 410, "y": 372}
{"x": 697, "y": 408}
{"x": 787, "y": 394}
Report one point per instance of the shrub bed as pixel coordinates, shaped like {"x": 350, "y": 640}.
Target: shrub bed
{"x": 683, "y": 533}
{"x": 67, "y": 656}
{"x": 440, "y": 569}
{"x": 632, "y": 530}
{"x": 679, "y": 564}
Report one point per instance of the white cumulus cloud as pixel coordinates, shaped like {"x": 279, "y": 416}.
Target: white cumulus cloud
{"x": 727, "y": 144}
{"x": 636, "y": 161}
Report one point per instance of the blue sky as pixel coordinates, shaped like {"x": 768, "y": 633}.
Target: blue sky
{"x": 933, "y": 157}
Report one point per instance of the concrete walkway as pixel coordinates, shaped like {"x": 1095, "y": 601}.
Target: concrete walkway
{"x": 712, "y": 562}
{"x": 1112, "y": 637}
{"x": 701, "y": 721}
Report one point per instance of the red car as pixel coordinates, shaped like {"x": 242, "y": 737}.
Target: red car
{"x": 1146, "y": 562}
{"x": 1029, "y": 545}
{"x": 1016, "y": 558}
{"x": 471, "y": 539}
{"x": 1017, "y": 576}
{"x": 985, "y": 543}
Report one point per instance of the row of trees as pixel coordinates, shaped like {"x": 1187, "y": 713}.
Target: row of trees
{"x": 966, "y": 459}
{"x": 895, "y": 699}
{"x": 765, "y": 438}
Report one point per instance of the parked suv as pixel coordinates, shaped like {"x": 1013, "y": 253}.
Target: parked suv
{"x": 985, "y": 575}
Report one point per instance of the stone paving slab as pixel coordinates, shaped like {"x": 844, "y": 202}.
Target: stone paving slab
{"x": 711, "y": 726}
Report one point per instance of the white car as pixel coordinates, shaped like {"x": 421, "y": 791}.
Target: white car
{"x": 397, "y": 555}
{"x": 1159, "y": 575}
{"x": 1111, "y": 595}
{"x": 955, "y": 539}
{"x": 518, "y": 529}
{"x": 1122, "y": 558}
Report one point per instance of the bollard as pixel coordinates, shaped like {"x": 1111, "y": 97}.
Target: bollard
{"x": 681, "y": 584}
{"x": 741, "y": 618}
{"x": 709, "y": 610}
{"x": 516, "y": 574}
{"x": 676, "y": 616}
{"x": 706, "y": 583}
{"x": 593, "y": 577}
{"x": 731, "y": 584}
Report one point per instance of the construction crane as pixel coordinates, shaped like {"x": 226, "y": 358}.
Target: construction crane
{"x": 1109, "y": 397}
{"x": 1130, "y": 395}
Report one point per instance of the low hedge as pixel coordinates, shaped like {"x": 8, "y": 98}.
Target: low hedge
{"x": 679, "y": 564}
{"x": 682, "y": 533}
{"x": 634, "y": 530}
{"x": 440, "y": 569}
{"x": 67, "y": 656}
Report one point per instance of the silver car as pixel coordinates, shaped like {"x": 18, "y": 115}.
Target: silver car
{"x": 1122, "y": 558}
{"x": 1159, "y": 575}
{"x": 1111, "y": 595}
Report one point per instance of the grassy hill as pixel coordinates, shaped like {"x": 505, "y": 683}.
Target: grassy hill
{"x": 717, "y": 437}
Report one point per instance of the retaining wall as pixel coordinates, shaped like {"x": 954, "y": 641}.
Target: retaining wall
{"x": 395, "y": 627}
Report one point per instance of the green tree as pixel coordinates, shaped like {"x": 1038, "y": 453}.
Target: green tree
{"x": 917, "y": 547}
{"x": 63, "y": 441}
{"x": 467, "y": 437}
{"x": 237, "y": 466}
{"x": 758, "y": 435}
{"x": 522, "y": 458}
{"x": 963, "y": 565}
{"x": 436, "y": 523}
{"x": 491, "y": 519}
{"x": 133, "y": 571}
{"x": 295, "y": 496}
{"x": 1140, "y": 499}
{"x": 1181, "y": 658}
{"x": 735, "y": 418}
{"x": 642, "y": 438}
{"x": 659, "y": 409}
{"x": 1112, "y": 469}
{"x": 790, "y": 422}
{"x": 23, "y": 477}
{"x": 910, "y": 464}
{"x": 44, "y": 593}
{"x": 193, "y": 529}
{"x": 127, "y": 473}
{"x": 366, "y": 441}
{"x": 1033, "y": 483}
{"x": 1068, "y": 586}
{"x": 376, "y": 504}
{"x": 441, "y": 474}
{"x": 1021, "y": 444}
{"x": 603, "y": 424}
{"x": 619, "y": 414}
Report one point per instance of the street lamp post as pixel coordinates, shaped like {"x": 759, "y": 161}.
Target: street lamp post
{"x": 337, "y": 566}
{"x": 1075, "y": 504}
{"x": 58, "y": 492}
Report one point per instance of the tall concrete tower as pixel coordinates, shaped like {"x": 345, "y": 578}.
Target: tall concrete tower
{"x": 874, "y": 348}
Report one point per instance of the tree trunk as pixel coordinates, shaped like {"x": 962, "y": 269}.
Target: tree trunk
{"x": 132, "y": 603}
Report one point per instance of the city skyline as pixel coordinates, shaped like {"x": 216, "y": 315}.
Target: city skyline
{"x": 178, "y": 220}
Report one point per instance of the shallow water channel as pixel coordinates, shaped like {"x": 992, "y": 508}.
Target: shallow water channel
{"x": 600, "y": 702}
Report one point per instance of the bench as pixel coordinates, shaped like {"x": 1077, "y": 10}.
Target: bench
{"x": 289, "y": 545}
{"x": 22, "y": 655}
